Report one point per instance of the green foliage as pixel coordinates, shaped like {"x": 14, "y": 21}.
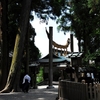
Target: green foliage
{"x": 92, "y": 4}
{"x": 40, "y": 75}
{"x": 43, "y": 9}
{"x": 80, "y": 16}
{"x": 33, "y": 50}
{"x": 14, "y": 10}
{"x": 83, "y": 19}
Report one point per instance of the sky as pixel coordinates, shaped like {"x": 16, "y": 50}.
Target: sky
{"x": 41, "y": 39}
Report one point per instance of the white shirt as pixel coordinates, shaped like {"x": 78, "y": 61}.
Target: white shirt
{"x": 26, "y": 77}
{"x": 88, "y": 75}
{"x": 92, "y": 75}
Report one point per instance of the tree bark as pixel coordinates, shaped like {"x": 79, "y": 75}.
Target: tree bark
{"x": 5, "y": 54}
{"x": 27, "y": 51}
{"x": 18, "y": 49}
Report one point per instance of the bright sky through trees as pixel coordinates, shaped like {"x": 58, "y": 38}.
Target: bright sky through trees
{"x": 41, "y": 40}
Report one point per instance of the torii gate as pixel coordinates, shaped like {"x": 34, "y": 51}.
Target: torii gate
{"x": 63, "y": 48}
{"x": 54, "y": 44}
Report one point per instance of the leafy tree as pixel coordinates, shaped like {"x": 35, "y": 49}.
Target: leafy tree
{"x": 11, "y": 23}
{"x": 44, "y": 10}
{"x": 82, "y": 18}
{"x": 12, "y": 81}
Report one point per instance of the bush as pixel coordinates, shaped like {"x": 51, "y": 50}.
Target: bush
{"x": 39, "y": 77}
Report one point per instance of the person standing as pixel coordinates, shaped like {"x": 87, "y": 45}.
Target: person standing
{"x": 26, "y": 83}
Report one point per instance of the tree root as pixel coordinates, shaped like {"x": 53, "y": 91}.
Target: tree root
{"x": 5, "y": 90}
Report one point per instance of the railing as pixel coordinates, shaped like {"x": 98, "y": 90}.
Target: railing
{"x": 78, "y": 91}
{"x": 93, "y": 91}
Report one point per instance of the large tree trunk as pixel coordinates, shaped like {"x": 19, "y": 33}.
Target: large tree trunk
{"x": 0, "y": 40}
{"x": 27, "y": 51}
{"x": 18, "y": 49}
{"x": 4, "y": 60}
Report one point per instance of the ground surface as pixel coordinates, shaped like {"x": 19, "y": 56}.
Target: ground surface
{"x": 42, "y": 93}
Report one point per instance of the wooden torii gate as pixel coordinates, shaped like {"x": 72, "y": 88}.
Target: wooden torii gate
{"x": 53, "y": 44}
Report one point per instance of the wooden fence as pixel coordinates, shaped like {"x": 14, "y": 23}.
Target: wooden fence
{"x": 78, "y": 91}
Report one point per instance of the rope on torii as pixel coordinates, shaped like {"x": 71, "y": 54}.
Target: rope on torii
{"x": 63, "y": 48}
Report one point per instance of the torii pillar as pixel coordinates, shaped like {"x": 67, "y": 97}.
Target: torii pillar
{"x": 50, "y": 85}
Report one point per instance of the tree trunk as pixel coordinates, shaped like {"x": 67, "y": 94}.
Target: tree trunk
{"x": 18, "y": 49}
{"x": 0, "y": 40}
{"x": 27, "y": 51}
{"x": 4, "y": 60}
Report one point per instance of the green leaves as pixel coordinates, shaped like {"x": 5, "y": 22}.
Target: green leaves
{"x": 84, "y": 18}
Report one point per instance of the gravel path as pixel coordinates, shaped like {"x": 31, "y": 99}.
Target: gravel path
{"x": 42, "y": 93}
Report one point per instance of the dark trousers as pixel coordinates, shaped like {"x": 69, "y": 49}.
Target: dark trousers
{"x": 25, "y": 87}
